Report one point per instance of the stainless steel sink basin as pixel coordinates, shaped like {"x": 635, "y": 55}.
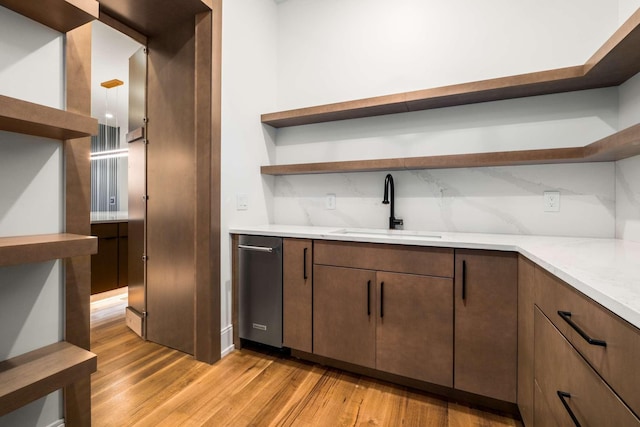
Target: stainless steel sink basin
{"x": 377, "y": 232}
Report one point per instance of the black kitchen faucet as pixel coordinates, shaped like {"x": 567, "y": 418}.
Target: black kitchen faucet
{"x": 388, "y": 184}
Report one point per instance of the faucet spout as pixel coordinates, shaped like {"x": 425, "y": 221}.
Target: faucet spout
{"x": 388, "y": 199}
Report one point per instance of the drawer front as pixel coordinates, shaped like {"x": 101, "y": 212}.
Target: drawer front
{"x": 619, "y": 362}
{"x": 543, "y": 417}
{"x": 380, "y": 257}
{"x": 560, "y": 369}
{"x": 105, "y": 230}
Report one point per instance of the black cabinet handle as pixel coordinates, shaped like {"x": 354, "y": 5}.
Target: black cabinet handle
{"x": 562, "y": 395}
{"x": 566, "y": 316}
{"x": 304, "y": 261}
{"x": 369, "y": 298}
{"x": 464, "y": 280}
{"x": 381, "y": 299}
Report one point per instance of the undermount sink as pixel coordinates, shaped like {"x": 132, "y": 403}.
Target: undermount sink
{"x": 377, "y": 232}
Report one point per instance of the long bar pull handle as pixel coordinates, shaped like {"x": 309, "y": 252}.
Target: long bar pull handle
{"x": 562, "y": 395}
{"x": 381, "y": 299}
{"x": 566, "y": 316}
{"x": 304, "y": 268}
{"x": 464, "y": 280}
{"x": 369, "y": 298}
{"x": 255, "y": 248}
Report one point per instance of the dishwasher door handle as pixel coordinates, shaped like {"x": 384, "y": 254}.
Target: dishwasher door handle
{"x": 255, "y": 248}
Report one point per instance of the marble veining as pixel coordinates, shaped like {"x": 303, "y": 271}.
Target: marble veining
{"x": 628, "y": 199}
{"x": 605, "y": 270}
{"x": 486, "y": 200}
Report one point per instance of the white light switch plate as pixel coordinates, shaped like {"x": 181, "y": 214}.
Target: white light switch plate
{"x": 552, "y": 201}
{"x": 242, "y": 202}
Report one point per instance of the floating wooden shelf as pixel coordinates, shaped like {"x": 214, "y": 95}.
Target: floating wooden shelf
{"x": 61, "y": 15}
{"x": 37, "y": 120}
{"x": 44, "y": 247}
{"x": 618, "y": 146}
{"x": 613, "y": 64}
{"x": 33, "y": 375}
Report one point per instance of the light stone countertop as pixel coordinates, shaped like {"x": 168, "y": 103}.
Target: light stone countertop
{"x": 102, "y": 217}
{"x": 606, "y": 270}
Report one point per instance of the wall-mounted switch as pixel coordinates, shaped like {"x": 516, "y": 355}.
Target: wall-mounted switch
{"x": 330, "y": 201}
{"x": 242, "y": 202}
{"x": 551, "y": 201}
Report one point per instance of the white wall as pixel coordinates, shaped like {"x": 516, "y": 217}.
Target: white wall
{"x": 322, "y": 51}
{"x": 248, "y": 89}
{"x": 626, "y": 8}
{"x": 31, "y": 194}
{"x": 628, "y": 170}
{"x": 335, "y": 50}
{"x": 110, "y": 52}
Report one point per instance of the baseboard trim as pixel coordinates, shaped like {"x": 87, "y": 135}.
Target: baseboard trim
{"x": 226, "y": 340}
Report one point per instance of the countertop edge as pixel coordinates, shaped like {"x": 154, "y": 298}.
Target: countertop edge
{"x": 511, "y": 243}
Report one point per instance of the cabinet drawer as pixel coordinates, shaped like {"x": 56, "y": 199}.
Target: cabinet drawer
{"x": 380, "y": 257}
{"x": 619, "y": 362}
{"x": 105, "y": 230}
{"x": 560, "y": 369}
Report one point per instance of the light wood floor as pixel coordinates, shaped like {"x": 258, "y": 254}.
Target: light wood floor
{"x": 144, "y": 384}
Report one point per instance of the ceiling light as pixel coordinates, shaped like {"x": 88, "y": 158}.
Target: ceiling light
{"x": 111, "y": 154}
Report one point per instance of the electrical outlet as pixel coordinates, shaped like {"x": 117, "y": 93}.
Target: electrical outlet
{"x": 330, "y": 201}
{"x": 551, "y": 201}
{"x": 242, "y": 202}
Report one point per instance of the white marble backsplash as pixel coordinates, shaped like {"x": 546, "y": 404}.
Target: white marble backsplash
{"x": 485, "y": 200}
{"x": 628, "y": 199}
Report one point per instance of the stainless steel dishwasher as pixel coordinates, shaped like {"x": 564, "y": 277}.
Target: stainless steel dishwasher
{"x": 260, "y": 289}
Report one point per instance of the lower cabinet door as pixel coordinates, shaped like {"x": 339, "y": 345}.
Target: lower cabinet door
{"x": 486, "y": 323}
{"x": 297, "y": 294}
{"x": 415, "y": 327}
{"x": 572, "y": 390}
{"x": 344, "y": 317}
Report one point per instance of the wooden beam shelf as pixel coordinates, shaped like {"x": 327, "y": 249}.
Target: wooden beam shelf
{"x": 614, "y": 63}
{"x": 61, "y": 15}
{"x": 38, "y": 120}
{"x": 44, "y": 247}
{"x": 33, "y": 375}
{"x": 618, "y": 146}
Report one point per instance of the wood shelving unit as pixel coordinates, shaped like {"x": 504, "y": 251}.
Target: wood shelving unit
{"x": 33, "y": 375}
{"x": 61, "y": 15}
{"x": 613, "y": 64}
{"x": 45, "y": 247}
{"x": 37, "y": 120}
{"x": 618, "y": 146}
{"x": 67, "y": 364}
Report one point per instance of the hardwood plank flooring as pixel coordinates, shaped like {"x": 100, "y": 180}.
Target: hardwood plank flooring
{"x": 139, "y": 383}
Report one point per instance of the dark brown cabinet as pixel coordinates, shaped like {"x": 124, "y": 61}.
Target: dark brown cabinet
{"x": 486, "y": 323}
{"x": 297, "y": 292}
{"x": 569, "y": 387}
{"x": 583, "y": 350}
{"x": 396, "y": 322}
{"x": 109, "y": 265}
{"x": 414, "y": 331}
{"x": 344, "y": 321}
{"x": 526, "y": 388}
{"x": 123, "y": 254}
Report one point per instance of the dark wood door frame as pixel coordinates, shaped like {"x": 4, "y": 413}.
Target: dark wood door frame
{"x": 207, "y": 33}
